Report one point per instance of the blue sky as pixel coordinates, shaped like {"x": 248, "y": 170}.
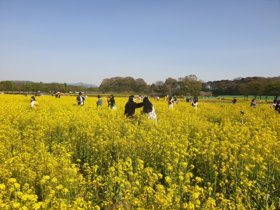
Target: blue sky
{"x": 87, "y": 41}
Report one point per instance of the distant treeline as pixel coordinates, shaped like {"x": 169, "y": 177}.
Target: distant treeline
{"x": 43, "y": 87}
{"x": 188, "y": 85}
{"x": 256, "y": 86}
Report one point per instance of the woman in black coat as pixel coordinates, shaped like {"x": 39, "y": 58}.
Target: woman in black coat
{"x": 112, "y": 102}
{"x": 131, "y": 106}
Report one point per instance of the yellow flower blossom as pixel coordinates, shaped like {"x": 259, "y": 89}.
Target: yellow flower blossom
{"x": 67, "y": 157}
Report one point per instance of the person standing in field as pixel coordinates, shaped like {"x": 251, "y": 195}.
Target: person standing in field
{"x": 80, "y": 99}
{"x": 170, "y": 103}
{"x": 277, "y": 107}
{"x": 175, "y": 101}
{"x": 33, "y": 103}
{"x": 99, "y": 102}
{"x": 194, "y": 103}
{"x": 234, "y": 100}
{"x": 254, "y": 103}
{"x": 148, "y": 108}
{"x": 130, "y": 106}
{"x": 273, "y": 105}
{"x": 112, "y": 102}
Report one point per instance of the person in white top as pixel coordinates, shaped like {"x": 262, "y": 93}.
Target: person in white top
{"x": 33, "y": 103}
{"x": 194, "y": 103}
{"x": 80, "y": 99}
{"x": 148, "y": 108}
{"x": 273, "y": 105}
{"x": 170, "y": 103}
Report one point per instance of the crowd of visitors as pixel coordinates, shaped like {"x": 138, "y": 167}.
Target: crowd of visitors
{"x": 148, "y": 107}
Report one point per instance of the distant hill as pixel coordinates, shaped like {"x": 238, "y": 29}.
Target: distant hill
{"x": 71, "y": 84}
{"x": 82, "y": 84}
{"x": 24, "y": 81}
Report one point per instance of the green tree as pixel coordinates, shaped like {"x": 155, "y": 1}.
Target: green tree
{"x": 273, "y": 88}
{"x": 8, "y": 85}
{"x": 37, "y": 87}
{"x": 105, "y": 85}
{"x": 160, "y": 85}
{"x": 28, "y": 87}
{"x": 152, "y": 88}
{"x": 46, "y": 88}
{"x": 256, "y": 88}
{"x": 244, "y": 90}
{"x": 1, "y": 86}
{"x": 190, "y": 84}
{"x": 140, "y": 85}
{"x": 15, "y": 88}
{"x": 170, "y": 86}
{"x": 54, "y": 87}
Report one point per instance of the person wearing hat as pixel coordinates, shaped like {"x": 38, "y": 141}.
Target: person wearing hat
{"x": 80, "y": 99}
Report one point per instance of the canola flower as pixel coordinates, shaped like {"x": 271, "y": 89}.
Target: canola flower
{"x": 63, "y": 156}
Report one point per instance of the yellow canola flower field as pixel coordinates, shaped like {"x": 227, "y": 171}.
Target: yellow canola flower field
{"x": 63, "y": 156}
